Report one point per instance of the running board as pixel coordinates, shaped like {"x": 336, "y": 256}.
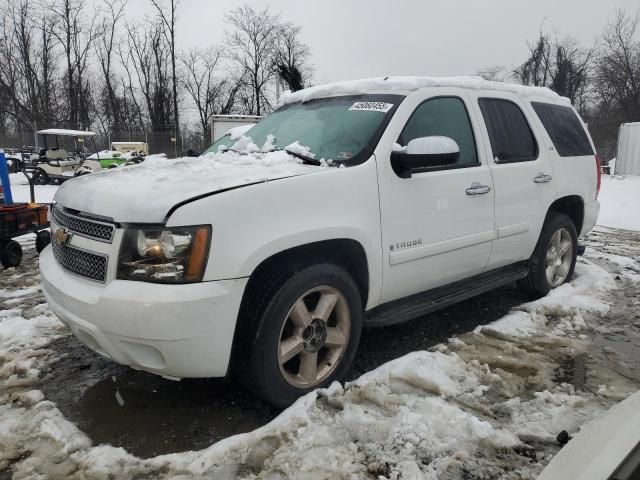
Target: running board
{"x": 420, "y": 304}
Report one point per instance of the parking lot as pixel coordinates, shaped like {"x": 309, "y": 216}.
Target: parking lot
{"x": 149, "y": 416}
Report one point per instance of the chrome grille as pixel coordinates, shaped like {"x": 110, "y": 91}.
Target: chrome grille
{"x": 87, "y": 228}
{"x": 85, "y": 264}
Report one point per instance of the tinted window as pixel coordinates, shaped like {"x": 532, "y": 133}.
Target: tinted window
{"x": 511, "y": 137}
{"x": 564, "y": 128}
{"x": 445, "y": 116}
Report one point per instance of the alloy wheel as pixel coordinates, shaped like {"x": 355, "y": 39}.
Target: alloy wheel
{"x": 314, "y": 337}
{"x": 559, "y": 257}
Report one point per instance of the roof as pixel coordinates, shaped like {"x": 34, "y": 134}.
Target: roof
{"x": 236, "y": 117}
{"x": 406, "y": 85}
{"x": 65, "y": 133}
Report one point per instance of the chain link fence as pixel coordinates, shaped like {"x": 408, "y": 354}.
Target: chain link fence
{"x": 163, "y": 140}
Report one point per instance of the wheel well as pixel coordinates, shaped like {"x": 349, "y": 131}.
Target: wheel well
{"x": 344, "y": 252}
{"x": 573, "y": 207}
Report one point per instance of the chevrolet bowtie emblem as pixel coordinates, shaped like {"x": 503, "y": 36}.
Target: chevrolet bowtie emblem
{"x": 62, "y": 236}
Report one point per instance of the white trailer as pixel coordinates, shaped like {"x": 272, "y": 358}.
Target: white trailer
{"x": 221, "y": 124}
{"x": 628, "y": 158}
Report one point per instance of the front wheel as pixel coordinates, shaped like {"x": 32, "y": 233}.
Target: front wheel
{"x": 307, "y": 336}
{"x": 554, "y": 258}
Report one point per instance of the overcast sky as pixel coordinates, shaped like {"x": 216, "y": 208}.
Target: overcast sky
{"x": 363, "y": 38}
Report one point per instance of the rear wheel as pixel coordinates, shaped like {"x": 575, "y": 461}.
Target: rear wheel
{"x": 306, "y": 337}
{"x": 10, "y": 254}
{"x": 554, "y": 258}
{"x": 40, "y": 177}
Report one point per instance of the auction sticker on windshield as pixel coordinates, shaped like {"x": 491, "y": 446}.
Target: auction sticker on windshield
{"x": 371, "y": 107}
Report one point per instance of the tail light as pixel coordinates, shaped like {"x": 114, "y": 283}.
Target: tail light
{"x": 599, "y": 174}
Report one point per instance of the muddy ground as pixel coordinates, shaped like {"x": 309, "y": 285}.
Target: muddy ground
{"x": 148, "y": 415}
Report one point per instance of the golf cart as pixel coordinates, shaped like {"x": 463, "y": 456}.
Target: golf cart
{"x": 54, "y": 164}
{"x": 121, "y": 153}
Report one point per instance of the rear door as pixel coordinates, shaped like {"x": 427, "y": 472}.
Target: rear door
{"x": 522, "y": 176}
{"x": 570, "y": 149}
{"x": 438, "y": 225}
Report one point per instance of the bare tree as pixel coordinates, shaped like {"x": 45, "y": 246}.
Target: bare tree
{"x": 618, "y": 65}
{"x": 168, "y": 20}
{"x": 496, "y": 73}
{"x": 559, "y": 64}
{"x": 252, "y": 47}
{"x": 201, "y": 84}
{"x": 571, "y": 69}
{"x": 536, "y": 69}
{"x": 106, "y": 52}
{"x": 150, "y": 59}
{"x": 292, "y": 57}
{"x": 75, "y": 33}
{"x": 27, "y": 65}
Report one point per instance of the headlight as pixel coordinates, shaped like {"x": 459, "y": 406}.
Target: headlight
{"x": 164, "y": 255}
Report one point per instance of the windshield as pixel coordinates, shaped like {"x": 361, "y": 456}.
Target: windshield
{"x": 338, "y": 128}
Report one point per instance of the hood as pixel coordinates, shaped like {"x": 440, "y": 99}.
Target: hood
{"x": 145, "y": 193}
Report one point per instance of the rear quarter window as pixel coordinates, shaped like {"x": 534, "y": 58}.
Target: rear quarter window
{"x": 564, "y": 128}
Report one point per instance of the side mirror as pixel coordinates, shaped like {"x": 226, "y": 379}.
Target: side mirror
{"x": 424, "y": 152}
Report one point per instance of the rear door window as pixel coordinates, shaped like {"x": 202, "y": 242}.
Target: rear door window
{"x": 565, "y": 129}
{"x": 509, "y": 132}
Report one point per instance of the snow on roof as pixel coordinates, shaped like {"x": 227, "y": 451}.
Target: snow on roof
{"x": 235, "y": 117}
{"x": 406, "y": 85}
{"x": 66, "y": 133}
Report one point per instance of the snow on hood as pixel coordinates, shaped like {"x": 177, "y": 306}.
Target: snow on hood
{"x": 406, "y": 84}
{"x": 146, "y": 192}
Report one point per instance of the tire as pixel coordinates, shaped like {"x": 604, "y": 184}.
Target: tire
{"x": 40, "y": 177}
{"x": 43, "y": 238}
{"x": 11, "y": 254}
{"x": 275, "y": 314}
{"x": 539, "y": 281}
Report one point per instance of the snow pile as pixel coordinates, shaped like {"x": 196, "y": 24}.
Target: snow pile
{"x": 620, "y": 202}
{"x": 567, "y": 304}
{"x": 236, "y": 132}
{"x": 406, "y": 84}
{"x": 163, "y": 183}
{"x": 109, "y": 154}
{"x": 464, "y": 406}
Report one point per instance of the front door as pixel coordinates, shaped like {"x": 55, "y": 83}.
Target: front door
{"x": 438, "y": 225}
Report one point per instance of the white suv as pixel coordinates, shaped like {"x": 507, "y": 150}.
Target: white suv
{"x": 361, "y": 203}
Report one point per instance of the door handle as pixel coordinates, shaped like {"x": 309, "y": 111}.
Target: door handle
{"x": 542, "y": 178}
{"x": 477, "y": 189}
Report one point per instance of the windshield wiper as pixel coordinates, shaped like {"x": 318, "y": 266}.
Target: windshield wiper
{"x": 305, "y": 158}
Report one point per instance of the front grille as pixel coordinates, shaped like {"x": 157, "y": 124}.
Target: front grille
{"x": 84, "y": 227}
{"x": 85, "y": 264}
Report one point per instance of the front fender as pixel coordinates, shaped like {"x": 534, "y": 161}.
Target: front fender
{"x": 253, "y": 223}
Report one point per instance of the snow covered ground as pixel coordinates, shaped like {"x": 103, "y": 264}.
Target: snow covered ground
{"x": 620, "y": 202}
{"x": 487, "y": 404}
